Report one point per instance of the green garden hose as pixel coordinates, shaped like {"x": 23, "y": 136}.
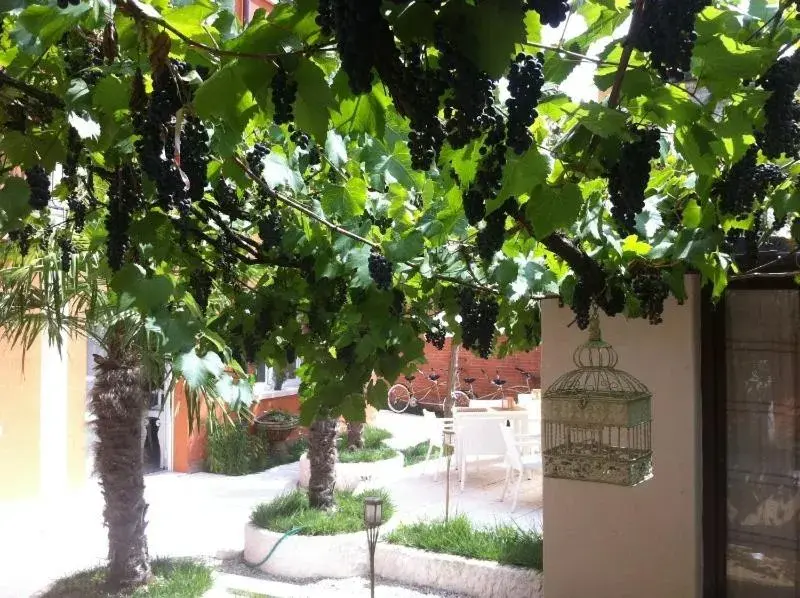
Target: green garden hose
{"x": 291, "y": 532}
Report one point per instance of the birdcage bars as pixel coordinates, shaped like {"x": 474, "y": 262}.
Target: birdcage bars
{"x": 596, "y": 420}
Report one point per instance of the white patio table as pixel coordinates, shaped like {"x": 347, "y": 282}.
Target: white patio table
{"x": 478, "y": 434}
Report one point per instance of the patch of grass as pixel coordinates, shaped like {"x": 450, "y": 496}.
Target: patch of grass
{"x": 416, "y": 454}
{"x": 172, "y": 578}
{"x": 374, "y": 449}
{"x": 505, "y": 544}
{"x": 292, "y": 510}
{"x": 365, "y": 455}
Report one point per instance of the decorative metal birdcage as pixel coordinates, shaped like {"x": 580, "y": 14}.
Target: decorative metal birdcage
{"x": 596, "y": 420}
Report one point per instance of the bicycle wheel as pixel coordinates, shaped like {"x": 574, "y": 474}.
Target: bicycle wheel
{"x": 460, "y": 399}
{"x": 399, "y": 398}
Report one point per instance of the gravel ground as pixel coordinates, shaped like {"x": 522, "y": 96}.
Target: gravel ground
{"x": 353, "y": 587}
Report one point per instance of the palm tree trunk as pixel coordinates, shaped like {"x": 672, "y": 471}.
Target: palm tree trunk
{"x": 355, "y": 435}
{"x": 119, "y": 399}
{"x": 322, "y": 461}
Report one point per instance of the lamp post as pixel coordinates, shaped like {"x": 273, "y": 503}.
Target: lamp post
{"x": 447, "y": 436}
{"x": 373, "y": 514}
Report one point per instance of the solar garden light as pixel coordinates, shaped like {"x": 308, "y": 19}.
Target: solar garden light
{"x": 373, "y": 515}
{"x": 447, "y": 436}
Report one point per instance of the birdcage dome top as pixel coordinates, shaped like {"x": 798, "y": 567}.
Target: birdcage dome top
{"x": 596, "y": 374}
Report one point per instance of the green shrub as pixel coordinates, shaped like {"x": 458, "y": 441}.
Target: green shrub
{"x": 505, "y": 544}
{"x": 232, "y": 450}
{"x": 292, "y": 510}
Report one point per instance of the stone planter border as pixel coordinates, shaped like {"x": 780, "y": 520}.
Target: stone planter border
{"x": 311, "y": 557}
{"x": 350, "y": 476}
{"x": 465, "y": 577}
{"x": 308, "y": 557}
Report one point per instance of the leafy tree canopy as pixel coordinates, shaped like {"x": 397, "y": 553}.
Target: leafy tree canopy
{"x": 339, "y": 177}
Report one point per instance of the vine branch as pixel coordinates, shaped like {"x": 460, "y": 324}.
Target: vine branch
{"x": 300, "y": 207}
{"x": 44, "y": 97}
{"x": 129, "y": 8}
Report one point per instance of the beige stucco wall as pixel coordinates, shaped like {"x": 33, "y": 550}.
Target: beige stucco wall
{"x": 606, "y": 541}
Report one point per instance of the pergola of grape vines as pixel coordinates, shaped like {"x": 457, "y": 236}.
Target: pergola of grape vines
{"x": 338, "y": 180}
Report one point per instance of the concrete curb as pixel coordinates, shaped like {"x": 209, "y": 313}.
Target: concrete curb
{"x": 350, "y": 475}
{"x": 465, "y": 577}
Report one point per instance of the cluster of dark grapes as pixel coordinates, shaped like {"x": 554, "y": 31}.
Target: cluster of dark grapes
{"x": 781, "y": 133}
{"x": 72, "y": 160}
{"x": 551, "y": 12}
{"x": 256, "y": 156}
{"x": 194, "y": 156}
{"x": 380, "y": 269}
{"x": 298, "y": 137}
{"x": 667, "y": 32}
{"x": 66, "y": 248}
{"x": 478, "y": 318}
{"x": 270, "y": 229}
{"x": 39, "y": 185}
{"x": 62, "y": 4}
{"x": 489, "y": 178}
{"x": 78, "y": 211}
{"x": 83, "y": 57}
{"x": 226, "y": 196}
{"x": 284, "y": 94}
{"x": 22, "y": 237}
{"x": 124, "y": 198}
{"x": 525, "y": 81}
{"x": 324, "y": 17}
{"x": 356, "y": 25}
{"x": 746, "y": 183}
{"x": 627, "y": 179}
{"x": 398, "y": 303}
{"x": 582, "y": 303}
{"x": 436, "y": 336}
{"x": 156, "y": 147}
{"x": 491, "y": 237}
{"x": 200, "y": 282}
{"x": 650, "y": 289}
{"x": 427, "y": 134}
{"x": 468, "y": 106}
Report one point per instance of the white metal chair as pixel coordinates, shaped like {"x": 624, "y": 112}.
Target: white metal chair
{"x": 436, "y": 427}
{"x": 516, "y": 461}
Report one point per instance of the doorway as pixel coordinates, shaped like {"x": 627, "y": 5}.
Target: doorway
{"x": 752, "y": 444}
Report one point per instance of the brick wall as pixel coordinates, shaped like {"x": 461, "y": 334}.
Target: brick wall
{"x": 471, "y": 365}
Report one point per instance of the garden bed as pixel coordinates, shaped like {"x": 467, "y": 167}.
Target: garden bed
{"x": 172, "y": 578}
{"x": 307, "y": 554}
{"x": 459, "y": 557}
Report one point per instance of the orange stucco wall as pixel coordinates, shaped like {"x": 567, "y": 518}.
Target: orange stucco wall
{"x": 20, "y": 394}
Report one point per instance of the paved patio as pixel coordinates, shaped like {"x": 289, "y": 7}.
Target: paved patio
{"x": 204, "y": 514}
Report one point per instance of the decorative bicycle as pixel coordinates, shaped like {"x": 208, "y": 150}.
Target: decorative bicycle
{"x": 401, "y": 397}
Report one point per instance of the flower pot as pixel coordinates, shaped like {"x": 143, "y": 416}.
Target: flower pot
{"x": 276, "y": 429}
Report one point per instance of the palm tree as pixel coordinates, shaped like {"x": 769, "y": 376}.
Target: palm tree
{"x": 37, "y": 298}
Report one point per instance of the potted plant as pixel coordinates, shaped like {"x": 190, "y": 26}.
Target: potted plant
{"x": 277, "y": 425}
